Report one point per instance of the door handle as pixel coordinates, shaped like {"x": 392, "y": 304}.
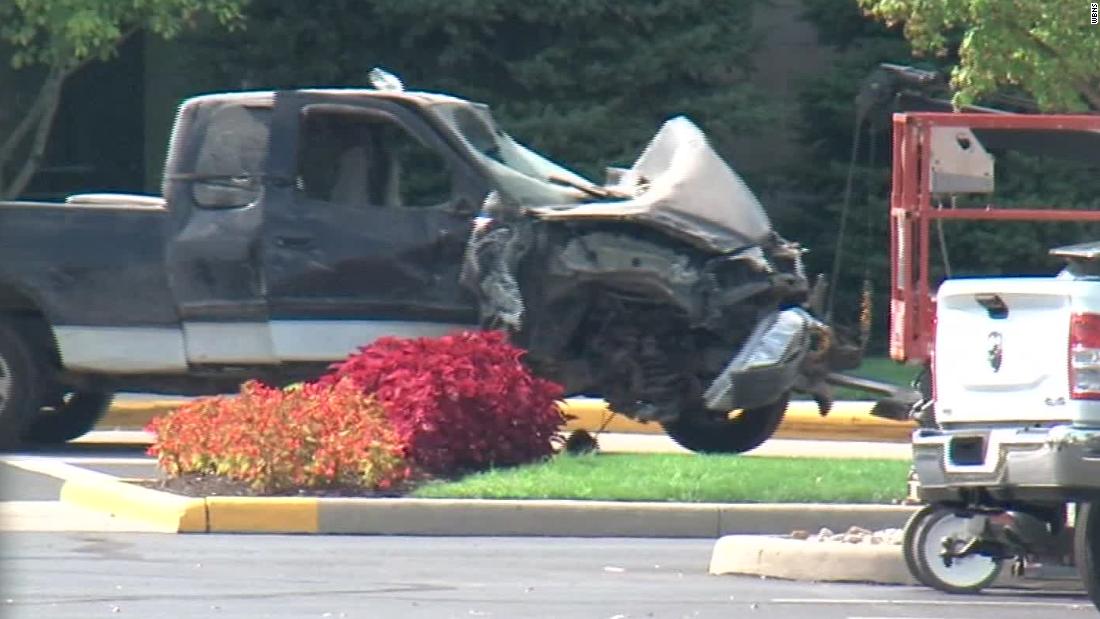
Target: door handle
{"x": 294, "y": 242}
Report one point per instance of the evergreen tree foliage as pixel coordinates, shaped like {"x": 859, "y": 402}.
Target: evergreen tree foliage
{"x": 827, "y": 114}
{"x": 1048, "y": 48}
{"x": 586, "y": 82}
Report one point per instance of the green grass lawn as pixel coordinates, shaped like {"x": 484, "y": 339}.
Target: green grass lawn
{"x": 886, "y": 370}
{"x": 686, "y": 477}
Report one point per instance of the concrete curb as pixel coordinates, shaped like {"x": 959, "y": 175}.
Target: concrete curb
{"x": 847, "y": 420}
{"x": 272, "y": 515}
{"x": 457, "y": 517}
{"x": 775, "y": 556}
{"x": 110, "y": 495}
{"x": 790, "y": 559}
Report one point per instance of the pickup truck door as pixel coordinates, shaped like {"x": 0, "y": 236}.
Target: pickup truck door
{"x": 217, "y": 197}
{"x": 366, "y": 239}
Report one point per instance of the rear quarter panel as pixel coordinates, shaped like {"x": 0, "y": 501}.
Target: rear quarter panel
{"x": 88, "y": 265}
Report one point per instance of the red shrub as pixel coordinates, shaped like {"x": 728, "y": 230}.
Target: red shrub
{"x": 314, "y": 436}
{"x": 460, "y": 402}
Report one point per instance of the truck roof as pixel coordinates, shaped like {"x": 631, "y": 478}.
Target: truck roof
{"x": 1081, "y": 251}
{"x": 267, "y": 97}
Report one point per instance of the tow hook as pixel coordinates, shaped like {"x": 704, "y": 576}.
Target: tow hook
{"x": 953, "y": 548}
{"x": 1019, "y": 567}
{"x": 949, "y": 553}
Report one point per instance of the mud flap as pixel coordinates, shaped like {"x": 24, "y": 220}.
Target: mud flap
{"x": 767, "y": 366}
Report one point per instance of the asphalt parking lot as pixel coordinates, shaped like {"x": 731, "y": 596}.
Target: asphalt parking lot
{"x": 20, "y": 481}
{"x": 58, "y": 561}
{"x": 87, "y": 575}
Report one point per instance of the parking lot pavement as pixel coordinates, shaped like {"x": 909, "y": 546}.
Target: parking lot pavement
{"x": 19, "y": 484}
{"x": 33, "y": 475}
{"x": 30, "y": 488}
{"x": 29, "y": 496}
{"x": 82, "y": 575}
{"x": 55, "y": 516}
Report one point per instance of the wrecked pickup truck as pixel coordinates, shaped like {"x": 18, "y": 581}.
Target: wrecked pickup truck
{"x": 296, "y": 226}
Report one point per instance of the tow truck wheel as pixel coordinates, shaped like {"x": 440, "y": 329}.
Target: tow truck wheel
{"x": 909, "y": 544}
{"x": 743, "y": 431}
{"x": 21, "y": 383}
{"x": 75, "y": 417}
{"x": 922, "y": 542}
{"x": 1086, "y": 549}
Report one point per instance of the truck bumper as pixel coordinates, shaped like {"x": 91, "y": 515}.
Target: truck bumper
{"x": 767, "y": 366}
{"x": 1061, "y": 463}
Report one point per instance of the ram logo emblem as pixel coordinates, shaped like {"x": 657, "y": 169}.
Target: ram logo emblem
{"x": 995, "y": 352}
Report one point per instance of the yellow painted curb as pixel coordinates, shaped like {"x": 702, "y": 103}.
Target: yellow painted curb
{"x": 172, "y": 513}
{"x": 168, "y": 512}
{"x": 136, "y": 414}
{"x": 847, "y": 420}
{"x": 263, "y": 515}
{"x": 572, "y": 518}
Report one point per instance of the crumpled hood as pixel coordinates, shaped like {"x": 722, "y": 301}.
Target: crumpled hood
{"x": 680, "y": 185}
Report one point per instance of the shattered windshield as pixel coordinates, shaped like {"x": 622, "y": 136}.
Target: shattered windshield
{"x": 522, "y": 174}
{"x": 678, "y": 184}
{"x": 681, "y": 185}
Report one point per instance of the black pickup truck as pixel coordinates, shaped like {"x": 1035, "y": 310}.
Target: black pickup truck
{"x": 295, "y": 226}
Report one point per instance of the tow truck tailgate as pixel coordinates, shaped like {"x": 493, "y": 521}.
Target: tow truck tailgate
{"x": 1001, "y": 349}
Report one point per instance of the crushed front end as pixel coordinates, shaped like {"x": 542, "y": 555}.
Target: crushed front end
{"x": 665, "y": 290}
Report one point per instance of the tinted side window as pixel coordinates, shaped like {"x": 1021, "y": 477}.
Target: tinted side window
{"x": 361, "y": 159}
{"x": 231, "y": 152}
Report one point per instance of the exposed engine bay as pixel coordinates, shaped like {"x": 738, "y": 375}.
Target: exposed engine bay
{"x": 665, "y": 291}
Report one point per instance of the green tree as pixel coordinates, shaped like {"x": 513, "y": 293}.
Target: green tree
{"x": 1047, "y": 48}
{"x": 584, "y": 81}
{"x": 825, "y": 120}
{"x": 52, "y": 39}
{"x": 827, "y": 113}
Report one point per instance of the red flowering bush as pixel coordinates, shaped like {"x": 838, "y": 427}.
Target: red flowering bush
{"x": 306, "y": 437}
{"x": 460, "y": 402}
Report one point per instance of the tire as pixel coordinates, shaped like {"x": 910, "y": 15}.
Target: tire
{"x": 744, "y": 432}
{"x": 73, "y": 419}
{"x": 909, "y": 544}
{"x": 922, "y": 542}
{"x": 22, "y": 384}
{"x": 1086, "y": 549}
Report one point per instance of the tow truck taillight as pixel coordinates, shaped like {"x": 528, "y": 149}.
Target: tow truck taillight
{"x": 1084, "y": 357}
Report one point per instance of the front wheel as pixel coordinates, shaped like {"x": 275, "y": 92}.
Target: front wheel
{"x": 743, "y": 431}
{"x": 75, "y": 417}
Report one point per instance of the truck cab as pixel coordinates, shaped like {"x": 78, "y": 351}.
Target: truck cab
{"x": 304, "y": 224}
{"x": 293, "y": 228}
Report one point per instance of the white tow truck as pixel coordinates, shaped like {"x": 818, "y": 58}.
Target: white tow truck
{"x": 1015, "y": 442}
{"x": 1007, "y": 450}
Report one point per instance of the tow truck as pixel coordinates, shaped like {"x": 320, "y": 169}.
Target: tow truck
{"x": 1006, "y": 451}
